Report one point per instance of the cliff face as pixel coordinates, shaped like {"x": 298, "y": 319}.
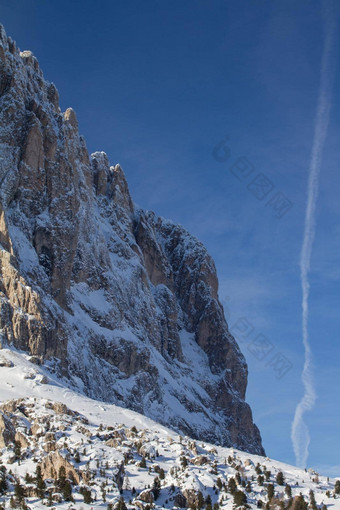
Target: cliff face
{"x": 120, "y": 301}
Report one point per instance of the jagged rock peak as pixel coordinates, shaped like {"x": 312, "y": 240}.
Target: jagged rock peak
{"x": 118, "y": 300}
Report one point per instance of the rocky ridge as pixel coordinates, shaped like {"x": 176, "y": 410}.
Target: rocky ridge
{"x": 121, "y": 302}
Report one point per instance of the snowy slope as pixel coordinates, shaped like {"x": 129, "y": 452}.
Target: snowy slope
{"x": 111, "y": 443}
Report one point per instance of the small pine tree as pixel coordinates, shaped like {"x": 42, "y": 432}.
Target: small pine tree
{"x": 270, "y": 491}
{"x": 299, "y": 503}
{"x": 86, "y": 493}
{"x": 156, "y": 487}
{"x": 17, "y": 450}
{"x": 39, "y": 482}
{"x": 62, "y": 473}
{"x": 280, "y": 478}
{"x": 200, "y": 500}
{"x": 238, "y": 478}
{"x": 232, "y": 485}
{"x": 184, "y": 462}
{"x": 312, "y": 500}
{"x": 260, "y": 480}
{"x": 77, "y": 457}
{"x": 240, "y": 499}
{"x": 337, "y": 487}
{"x": 19, "y": 492}
{"x": 67, "y": 491}
{"x": 49, "y": 498}
{"x": 248, "y": 487}
{"x": 143, "y": 462}
{"x": 3, "y": 481}
{"x": 267, "y": 475}
{"x": 288, "y": 490}
{"x": 121, "y": 504}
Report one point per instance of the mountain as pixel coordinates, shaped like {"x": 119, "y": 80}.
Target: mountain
{"x": 121, "y": 303}
{"x": 62, "y": 449}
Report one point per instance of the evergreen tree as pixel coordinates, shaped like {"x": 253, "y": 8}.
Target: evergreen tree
{"x": 17, "y": 450}
{"x": 156, "y": 487}
{"x": 121, "y": 504}
{"x": 49, "y": 498}
{"x": 64, "y": 485}
{"x": 248, "y": 487}
{"x": 143, "y": 463}
{"x": 3, "y": 480}
{"x": 240, "y": 499}
{"x": 299, "y": 503}
{"x": 67, "y": 491}
{"x": 231, "y": 485}
{"x": 86, "y": 493}
{"x": 19, "y": 491}
{"x": 280, "y": 478}
{"x": 184, "y": 461}
{"x": 312, "y": 500}
{"x": 288, "y": 490}
{"x": 270, "y": 491}
{"x": 238, "y": 478}
{"x": 267, "y": 475}
{"x": 61, "y": 475}
{"x": 40, "y": 484}
{"x": 260, "y": 480}
{"x": 337, "y": 487}
{"x": 29, "y": 478}
{"x": 200, "y": 500}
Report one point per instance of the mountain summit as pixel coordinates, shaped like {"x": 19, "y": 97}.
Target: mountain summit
{"x": 117, "y": 300}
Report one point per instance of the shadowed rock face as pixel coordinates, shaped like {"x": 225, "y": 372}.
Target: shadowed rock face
{"x": 122, "y": 302}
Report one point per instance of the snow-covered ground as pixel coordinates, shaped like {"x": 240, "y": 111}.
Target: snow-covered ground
{"x": 105, "y": 446}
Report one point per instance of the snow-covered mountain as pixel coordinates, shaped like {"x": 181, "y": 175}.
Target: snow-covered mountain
{"x": 62, "y": 449}
{"x": 121, "y": 302}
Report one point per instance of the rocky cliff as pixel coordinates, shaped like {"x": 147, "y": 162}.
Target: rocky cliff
{"x": 121, "y": 302}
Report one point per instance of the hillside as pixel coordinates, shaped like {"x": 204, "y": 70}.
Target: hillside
{"x": 118, "y": 458}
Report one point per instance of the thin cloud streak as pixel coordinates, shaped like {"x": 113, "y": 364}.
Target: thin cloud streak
{"x": 300, "y": 433}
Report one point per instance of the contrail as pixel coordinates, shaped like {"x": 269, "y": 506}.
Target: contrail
{"x": 300, "y": 433}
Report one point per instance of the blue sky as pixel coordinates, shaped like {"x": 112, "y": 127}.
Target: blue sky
{"x": 158, "y": 85}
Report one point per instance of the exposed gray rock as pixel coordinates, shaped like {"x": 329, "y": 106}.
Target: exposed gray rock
{"x": 115, "y": 296}
{"x": 7, "y": 431}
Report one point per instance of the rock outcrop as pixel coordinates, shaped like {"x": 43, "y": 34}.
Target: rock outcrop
{"x": 120, "y": 301}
